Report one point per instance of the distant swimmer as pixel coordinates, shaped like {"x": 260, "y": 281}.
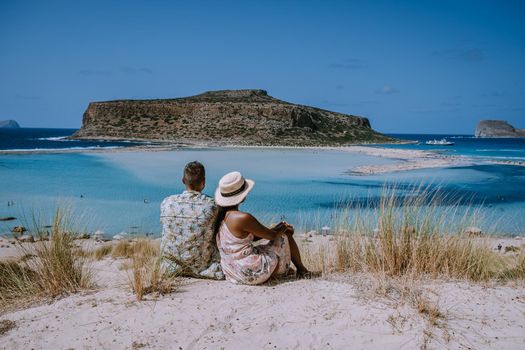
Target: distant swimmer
{"x": 81, "y": 196}
{"x": 146, "y": 201}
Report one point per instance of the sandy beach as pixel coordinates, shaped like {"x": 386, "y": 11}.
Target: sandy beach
{"x": 331, "y": 313}
{"x": 335, "y": 311}
{"x": 405, "y": 159}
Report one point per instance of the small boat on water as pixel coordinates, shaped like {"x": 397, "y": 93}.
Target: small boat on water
{"x": 442, "y": 142}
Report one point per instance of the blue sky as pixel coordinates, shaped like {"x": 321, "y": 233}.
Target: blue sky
{"x": 409, "y": 66}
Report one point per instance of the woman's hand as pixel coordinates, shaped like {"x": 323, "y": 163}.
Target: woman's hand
{"x": 280, "y": 227}
{"x": 289, "y": 230}
{"x": 284, "y": 228}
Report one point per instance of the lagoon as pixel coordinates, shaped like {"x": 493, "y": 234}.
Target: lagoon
{"x": 122, "y": 191}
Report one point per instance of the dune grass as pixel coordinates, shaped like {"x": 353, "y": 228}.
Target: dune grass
{"x": 126, "y": 249}
{"x": 413, "y": 235}
{"x": 392, "y": 247}
{"x": 6, "y": 326}
{"x": 101, "y": 252}
{"x": 48, "y": 268}
{"x": 142, "y": 262}
{"x": 141, "y": 247}
{"x": 146, "y": 274}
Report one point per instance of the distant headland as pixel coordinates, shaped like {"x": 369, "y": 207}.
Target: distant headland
{"x": 9, "y": 124}
{"x": 225, "y": 117}
{"x": 497, "y": 128}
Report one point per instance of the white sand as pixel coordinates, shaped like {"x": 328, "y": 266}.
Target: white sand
{"x": 293, "y": 315}
{"x": 407, "y": 160}
{"x": 335, "y": 312}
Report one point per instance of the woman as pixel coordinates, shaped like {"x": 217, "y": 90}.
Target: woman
{"x": 241, "y": 260}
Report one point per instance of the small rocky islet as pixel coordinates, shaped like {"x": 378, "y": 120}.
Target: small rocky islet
{"x": 225, "y": 117}
{"x": 497, "y": 128}
{"x": 9, "y": 124}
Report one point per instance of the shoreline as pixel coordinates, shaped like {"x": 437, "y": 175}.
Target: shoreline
{"x": 10, "y": 246}
{"x": 406, "y": 159}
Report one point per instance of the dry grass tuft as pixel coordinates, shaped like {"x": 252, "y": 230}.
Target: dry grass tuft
{"x": 122, "y": 249}
{"x": 429, "y": 310}
{"x": 142, "y": 247}
{"x": 102, "y": 251}
{"x": 16, "y": 280}
{"x": 402, "y": 241}
{"x": 414, "y": 236}
{"x": 48, "y": 269}
{"x": 516, "y": 271}
{"x": 125, "y": 249}
{"x": 405, "y": 290}
{"x": 6, "y": 326}
{"x": 147, "y": 275}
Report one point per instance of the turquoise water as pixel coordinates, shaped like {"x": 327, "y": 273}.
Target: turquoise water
{"x": 467, "y": 145}
{"x": 122, "y": 191}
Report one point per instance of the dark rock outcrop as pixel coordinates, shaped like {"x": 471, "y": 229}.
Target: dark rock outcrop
{"x": 241, "y": 117}
{"x": 18, "y": 229}
{"x": 497, "y": 128}
{"x": 9, "y": 124}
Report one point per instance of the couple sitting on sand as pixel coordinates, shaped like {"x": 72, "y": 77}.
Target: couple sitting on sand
{"x": 211, "y": 238}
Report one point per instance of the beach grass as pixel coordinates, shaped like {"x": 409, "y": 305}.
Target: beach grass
{"x": 147, "y": 275}
{"x": 410, "y": 236}
{"x": 6, "y": 326}
{"x": 47, "y": 268}
{"x": 125, "y": 249}
{"x": 413, "y": 235}
{"x": 142, "y": 262}
{"x": 101, "y": 252}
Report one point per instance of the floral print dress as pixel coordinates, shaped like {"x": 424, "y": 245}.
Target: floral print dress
{"x": 244, "y": 263}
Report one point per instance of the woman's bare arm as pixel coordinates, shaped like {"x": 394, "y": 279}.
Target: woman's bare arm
{"x": 244, "y": 223}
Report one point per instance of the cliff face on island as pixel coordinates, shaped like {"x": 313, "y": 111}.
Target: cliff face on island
{"x": 9, "y": 124}
{"x": 241, "y": 117}
{"x": 497, "y": 128}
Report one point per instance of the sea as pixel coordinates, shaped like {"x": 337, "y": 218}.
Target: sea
{"x": 118, "y": 192}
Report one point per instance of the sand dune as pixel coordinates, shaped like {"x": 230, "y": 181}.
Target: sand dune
{"x": 335, "y": 312}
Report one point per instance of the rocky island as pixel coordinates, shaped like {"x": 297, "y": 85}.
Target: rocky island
{"x": 497, "y": 128}
{"x": 9, "y": 124}
{"x": 226, "y": 117}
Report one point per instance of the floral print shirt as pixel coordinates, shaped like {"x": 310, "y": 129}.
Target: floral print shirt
{"x": 188, "y": 244}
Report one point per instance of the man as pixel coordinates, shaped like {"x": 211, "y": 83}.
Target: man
{"x": 188, "y": 228}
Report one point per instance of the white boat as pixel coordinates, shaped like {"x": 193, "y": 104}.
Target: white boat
{"x": 442, "y": 142}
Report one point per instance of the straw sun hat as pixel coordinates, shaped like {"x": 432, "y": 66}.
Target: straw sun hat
{"x": 232, "y": 189}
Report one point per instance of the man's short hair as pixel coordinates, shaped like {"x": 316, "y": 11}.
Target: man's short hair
{"x": 194, "y": 173}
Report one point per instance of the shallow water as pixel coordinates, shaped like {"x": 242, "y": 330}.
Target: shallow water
{"x": 466, "y": 145}
{"x": 123, "y": 191}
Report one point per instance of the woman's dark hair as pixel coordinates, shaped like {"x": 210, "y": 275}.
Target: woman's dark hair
{"x": 222, "y": 215}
